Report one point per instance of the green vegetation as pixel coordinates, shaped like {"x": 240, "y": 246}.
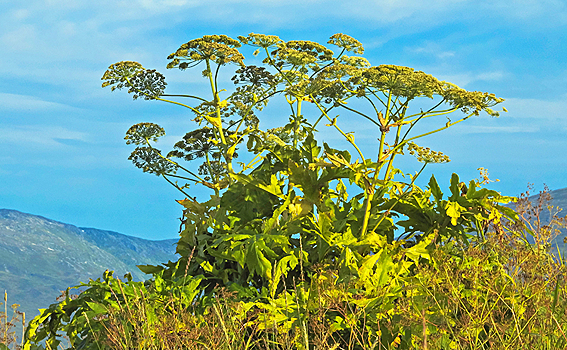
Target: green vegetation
{"x": 304, "y": 246}
{"x": 9, "y": 328}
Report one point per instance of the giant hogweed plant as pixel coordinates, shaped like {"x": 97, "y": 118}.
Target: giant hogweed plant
{"x": 280, "y": 219}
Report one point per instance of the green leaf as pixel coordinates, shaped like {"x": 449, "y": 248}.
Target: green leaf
{"x": 383, "y": 267}
{"x": 258, "y": 262}
{"x": 338, "y": 324}
{"x": 150, "y": 269}
{"x": 471, "y": 190}
{"x": 348, "y": 266}
{"x": 97, "y": 307}
{"x": 32, "y": 328}
{"x": 509, "y": 212}
{"x": 28, "y": 346}
{"x": 273, "y": 187}
{"x": 367, "y": 265}
{"x": 272, "y": 222}
{"x": 261, "y": 244}
{"x": 455, "y": 193}
{"x": 207, "y": 266}
{"x": 288, "y": 262}
{"x": 191, "y": 290}
{"x": 420, "y": 249}
{"x": 556, "y": 294}
{"x": 485, "y": 193}
{"x": 159, "y": 284}
{"x": 375, "y": 240}
{"x": 454, "y": 211}
{"x": 435, "y": 190}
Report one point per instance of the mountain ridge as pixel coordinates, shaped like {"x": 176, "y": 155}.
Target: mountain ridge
{"x": 40, "y": 257}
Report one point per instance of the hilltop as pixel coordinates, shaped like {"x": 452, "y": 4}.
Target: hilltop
{"x": 40, "y": 257}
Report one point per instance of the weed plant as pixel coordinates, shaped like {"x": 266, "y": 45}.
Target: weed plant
{"x": 501, "y": 291}
{"x": 281, "y": 257}
{"x": 9, "y": 327}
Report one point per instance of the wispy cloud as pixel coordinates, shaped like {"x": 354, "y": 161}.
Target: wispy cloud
{"x": 51, "y": 136}
{"x": 15, "y": 102}
{"x": 20, "y": 38}
{"x": 432, "y": 49}
{"x": 465, "y": 79}
{"x": 53, "y": 41}
{"x": 523, "y": 116}
{"x": 547, "y": 13}
{"x": 537, "y": 109}
{"x": 479, "y": 129}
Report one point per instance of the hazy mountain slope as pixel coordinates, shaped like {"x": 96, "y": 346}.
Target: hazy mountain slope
{"x": 558, "y": 200}
{"x": 131, "y": 250}
{"x": 41, "y": 257}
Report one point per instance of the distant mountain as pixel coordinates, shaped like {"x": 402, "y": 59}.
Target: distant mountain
{"x": 40, "y": 257}
{"x": 558, "y": 201}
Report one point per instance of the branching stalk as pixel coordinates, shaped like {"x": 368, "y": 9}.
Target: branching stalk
{"x": 369, "y": 194}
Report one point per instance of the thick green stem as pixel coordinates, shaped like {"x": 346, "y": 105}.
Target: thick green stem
{"x": 392, "y": 156}
{"x": 210, "y": 168}
{"x": 448, "y": 125}
{"x": 218, "y": 124}
{"x": 383, "y": 138}
{"x": 297, "y": 118}
{"x": 369, "y": 192}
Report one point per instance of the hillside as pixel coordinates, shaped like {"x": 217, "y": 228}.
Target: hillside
{"x": 558, "y": 201}
{"x": 40, "y": 257}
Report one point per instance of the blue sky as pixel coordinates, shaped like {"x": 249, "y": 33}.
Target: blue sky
{"x": 62, "y": 153}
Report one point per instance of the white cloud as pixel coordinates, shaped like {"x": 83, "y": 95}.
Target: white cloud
{"x": 20, "y": 14}
{"x": 546, "y": 12}
{"x": 19, "y": 39}
{"x": 432, "y": 49}
{"x": 536, "y": 109}
{"x": 39, "y": 135}
{"x": 56, "y": 40}
{"x": 480, "y": 129}
{"x": 464, "y": 79}
{"x": 15, "y": 102}
{"x": 489, "y": 76}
